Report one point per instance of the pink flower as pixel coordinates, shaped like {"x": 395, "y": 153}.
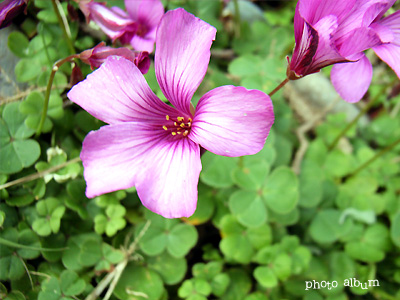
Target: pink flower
{"x": 97, "y": 55}
{"x": 9, "y": 9}
{"x": 137, "y": 26}
{"x": 386, "y": 46}
{"x": 322, "y": 37}
{"x": 337, "y": 32}
{"x": 156, "y": 147}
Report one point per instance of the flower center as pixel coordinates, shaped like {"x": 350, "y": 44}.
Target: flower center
{"x": 178, "y": 126}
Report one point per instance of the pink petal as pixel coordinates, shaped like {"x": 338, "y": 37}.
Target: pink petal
{"x": 357, "y": 41}
{"x": 351, "y": 80}
{"x": 232, "y": 121}
{"x": 326, "y": 53}
{"x": 164, "y": 169}
{"x": 145, "y": 12}
{"x": 145, "y": 43}
{"x": 169, "y": 186}
{"x": 113, "y": 21}
{"x": 113, "y": 156}
{"x": 117, "y": 92}
{"x": 392, "y": 23}
{"x": 314, "y": 10}
{"x": 182, "y": 55}
{"x": 390, "y": 54}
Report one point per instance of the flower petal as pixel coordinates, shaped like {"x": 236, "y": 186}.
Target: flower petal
{"x": 390, "y": 54}
{"x": 169, "y": 186}
{"x": 232, "y": 121}
{"x": 314, "y": 10}
{"x": 164, "y": 169}
{"x": 145, "y": 43}
{"x": 392, "y": 23}
{"x": 113, "y": 156}
{"x": 117, "y": 92}
{"x": 351, "y": 80}
{"x": 145, "y": 12}
{"x": 182, "y": 55}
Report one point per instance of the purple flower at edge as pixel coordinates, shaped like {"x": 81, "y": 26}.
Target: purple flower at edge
{"x": 137, "y": 26}
{"x": 337, "y": 31}
{"x": 386, "y": 46}
{"x": 9, "y": 9}
{"x": 156, "y": 147}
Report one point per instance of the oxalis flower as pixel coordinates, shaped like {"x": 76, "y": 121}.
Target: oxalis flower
{"x": 137, "y": 26}
{"x": 156, "y": 147}
{"x": 328, "y": 32}
{"x": 386, "y": 44}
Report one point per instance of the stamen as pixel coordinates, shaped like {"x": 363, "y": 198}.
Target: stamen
{"x": 190, "y": 120}
{"x": 173, "y": 133}
{"x": 182, "y": 125}
{"x": 167, "y": 117}
{"x": 179, "y": 132}
{"x": 176, "y": 124}
{"x": 180, "y": 119}
{"x": 185, "y": 133}
{"x": 165, "y": 127}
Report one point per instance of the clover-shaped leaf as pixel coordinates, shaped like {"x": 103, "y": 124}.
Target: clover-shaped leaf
{"x": 50, "y": 211}
{"x": 16, "y": 151}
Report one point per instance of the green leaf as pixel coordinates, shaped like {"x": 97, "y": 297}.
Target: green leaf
{"x": 265, "y": 276}
{"x": 181, "y": 239}
{"x": 237, "y": 247}
{"x": 325, "y": 228}
{"x": 27, "y": 69}
{"x": 248, "y": 207}
{"x": 310, "y": 184}
{"x": 282, "y": 265}
{"x": 217, "y": 170}
{"x": 172, "y": 270}
{"x": 15, "y": 295}
{"x": 90, "y": 252}
{"x": 140, "y": 280}
{"x": 281, "y": 190}
{"x": 395, "y": 229}
{"x": 252, "y": 175}
{"x": 15, "y": 122}
{"x": 18, "y": 43}
{"x": 219, "y": 284}
{"x": 31, "y": 241}
{"x": 202, "y": 287}
{"x": 245, "y": 66}
{"x": 71, "y": 284}
{"x": 50, "y": 290}
{"x": 11, "y": 268}
{"x": 240, "y": 285}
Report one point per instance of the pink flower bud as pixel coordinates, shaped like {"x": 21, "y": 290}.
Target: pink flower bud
{"x": 97, "y": 55}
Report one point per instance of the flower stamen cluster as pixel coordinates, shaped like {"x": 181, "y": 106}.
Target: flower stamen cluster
{"x": 178, "y": 126}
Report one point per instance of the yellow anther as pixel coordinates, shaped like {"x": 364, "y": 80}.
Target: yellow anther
{"x": 167, "y": 117}
{"x": 190, "y": 120}
{"x": 189, "y": 124}
{"x": 176, "y": 124}
{"x": 180, "y": 119}
{"x": 173, "y": 133}
{"x": 182, "y": 125}
{"x": 185, "y": 133}
{"x": 179, "y": 132}
{"x": 165, "y": 127}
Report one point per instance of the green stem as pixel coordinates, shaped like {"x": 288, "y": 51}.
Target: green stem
{"x": 62, "y": 24}
{"x": 39, "y": 174}
{"x": 237, "y": 18}
{"x": 379, "y": 154}
{"x": 55, "y": 68}
{"x": 279, "y": 87}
